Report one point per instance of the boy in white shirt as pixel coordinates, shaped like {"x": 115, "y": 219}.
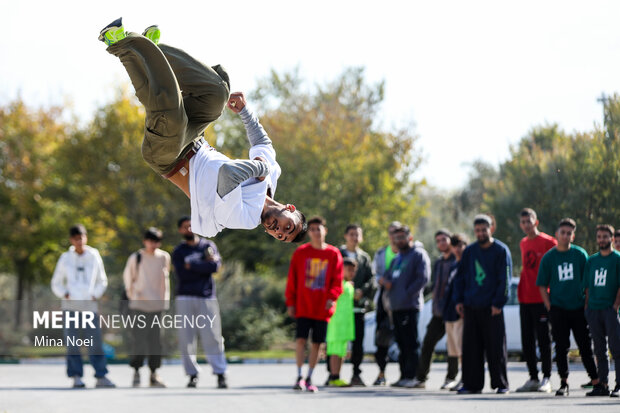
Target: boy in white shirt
{"x": 80, "y": 280}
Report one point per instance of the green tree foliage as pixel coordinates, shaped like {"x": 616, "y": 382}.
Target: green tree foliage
{"x": 28, "y": 141}
{"x": 559, "y": 175}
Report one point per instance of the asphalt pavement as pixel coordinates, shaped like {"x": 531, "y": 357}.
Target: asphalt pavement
{"x": 33, "y": 387}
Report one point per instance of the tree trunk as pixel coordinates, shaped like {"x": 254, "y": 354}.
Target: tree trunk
{"x": 19, "y": 296}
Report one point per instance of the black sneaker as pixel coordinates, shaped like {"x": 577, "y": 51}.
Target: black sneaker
{"x": 615, "y": 392}
{"x": 503, "y": 390}
{"x": 380, "y": 381}
{"x": 193, "y": 381}
{"x": 598, "y": 390}
{"x": 356, "y": 380}
{"x": 221, "y": 382}
{"x": 587, "y": 385}
{"x": 563, "y": 390}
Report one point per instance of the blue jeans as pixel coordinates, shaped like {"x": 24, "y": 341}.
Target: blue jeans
{"x": 95, "y": 351}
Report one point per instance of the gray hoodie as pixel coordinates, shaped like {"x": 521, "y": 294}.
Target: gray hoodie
{"x": 409, "y": 273}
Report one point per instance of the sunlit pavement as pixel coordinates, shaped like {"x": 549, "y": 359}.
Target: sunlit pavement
{"x": 267, "y": 388}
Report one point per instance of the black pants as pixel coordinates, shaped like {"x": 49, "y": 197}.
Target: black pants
{"x": 535, "y": 328}
{"x": 383, "y": 334}
{"x": 562, "y": 323}
{"x": 406, "y": 335}
{"x": 484, "y": 335}
{"x": 435, "y": 330}
{"x": 146, "y": 341}
{"x": 357, "y": 350}
{"x": 605, "y": 332}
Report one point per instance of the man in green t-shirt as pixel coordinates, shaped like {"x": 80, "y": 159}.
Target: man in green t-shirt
{"x": 602, "y": 285}
{"x": 561, "y": 288}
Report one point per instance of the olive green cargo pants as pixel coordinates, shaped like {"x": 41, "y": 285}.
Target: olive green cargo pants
{"x": 181, "y": 95}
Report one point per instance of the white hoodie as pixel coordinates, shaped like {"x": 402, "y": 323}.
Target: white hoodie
{"x": 82, "y": 276}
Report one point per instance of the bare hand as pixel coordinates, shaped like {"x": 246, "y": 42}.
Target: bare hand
{"x": 358, "y": 294}
{"x": 236, "y": 102}
{"x": 291, "y": 311}
{"x": 67, "y": 296}
{"x": 188, "y": 265}
{"x": 460, "y": 310}
{"x": 328, "y": 304}
{"x": 495, "y": 311}
{"x": 387, "y": 285}
{"x": 260, "y": 158}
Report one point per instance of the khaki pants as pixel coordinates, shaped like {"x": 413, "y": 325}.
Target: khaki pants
{"x": 180, "y": 94}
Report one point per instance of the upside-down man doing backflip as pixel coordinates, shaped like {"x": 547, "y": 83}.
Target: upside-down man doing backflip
{"x": 182, "y": 96}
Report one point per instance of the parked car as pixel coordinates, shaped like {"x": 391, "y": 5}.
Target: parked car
{"x": 511, "y": 320}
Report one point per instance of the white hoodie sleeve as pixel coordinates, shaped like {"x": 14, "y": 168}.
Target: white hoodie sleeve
{"x": 99, "y": 282}
{"x": 59, "y": 279}
{"x": 129, "y": 275}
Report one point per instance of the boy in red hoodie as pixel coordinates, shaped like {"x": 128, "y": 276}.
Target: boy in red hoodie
{"x": 313, "y": 286}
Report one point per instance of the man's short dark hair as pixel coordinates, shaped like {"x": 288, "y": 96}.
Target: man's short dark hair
{"x": 182, "y": 220}
{"x": 605, "y": 227}
{"x": 351, "y": 226}
{"x": 349, "y": 261}
{"x": 77, "y": 229}
{"x": 304, "y": 227}
{"x": 443, "y": 231}
{"x": 402, "y": 228}
{"x": 528, "y": 212}
{"x": 457, "y": 239}
{"x": 317, "y": 220}
{"x": 483, "y": 219}
{"x": 154, "y": 234}
{"x": 568, "y": 222}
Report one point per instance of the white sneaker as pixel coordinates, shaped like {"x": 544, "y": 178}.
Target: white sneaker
{"x": 417, "y": 384}
{"x": 410, "y": 383}
{"x": 530, "y": 385}
{"x": 78, "y": 383}
{"x": 156, "y": 381}
{"x": 449, "y": 384}
{"x": 545, "y": 385}
{"x": 104, "y": 383}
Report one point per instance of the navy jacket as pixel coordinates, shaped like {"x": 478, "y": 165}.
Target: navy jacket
{"x": 449, "y": 305}
{"x": 409, "y": 273}
{"x": 483, "y": 276}
{"x": 196, "y": 281}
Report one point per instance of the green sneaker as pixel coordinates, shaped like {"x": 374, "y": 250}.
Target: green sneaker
{"x": 152, "y": 33}
{"x": 339, "y": 383}
{"x": 113, "y": 32}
